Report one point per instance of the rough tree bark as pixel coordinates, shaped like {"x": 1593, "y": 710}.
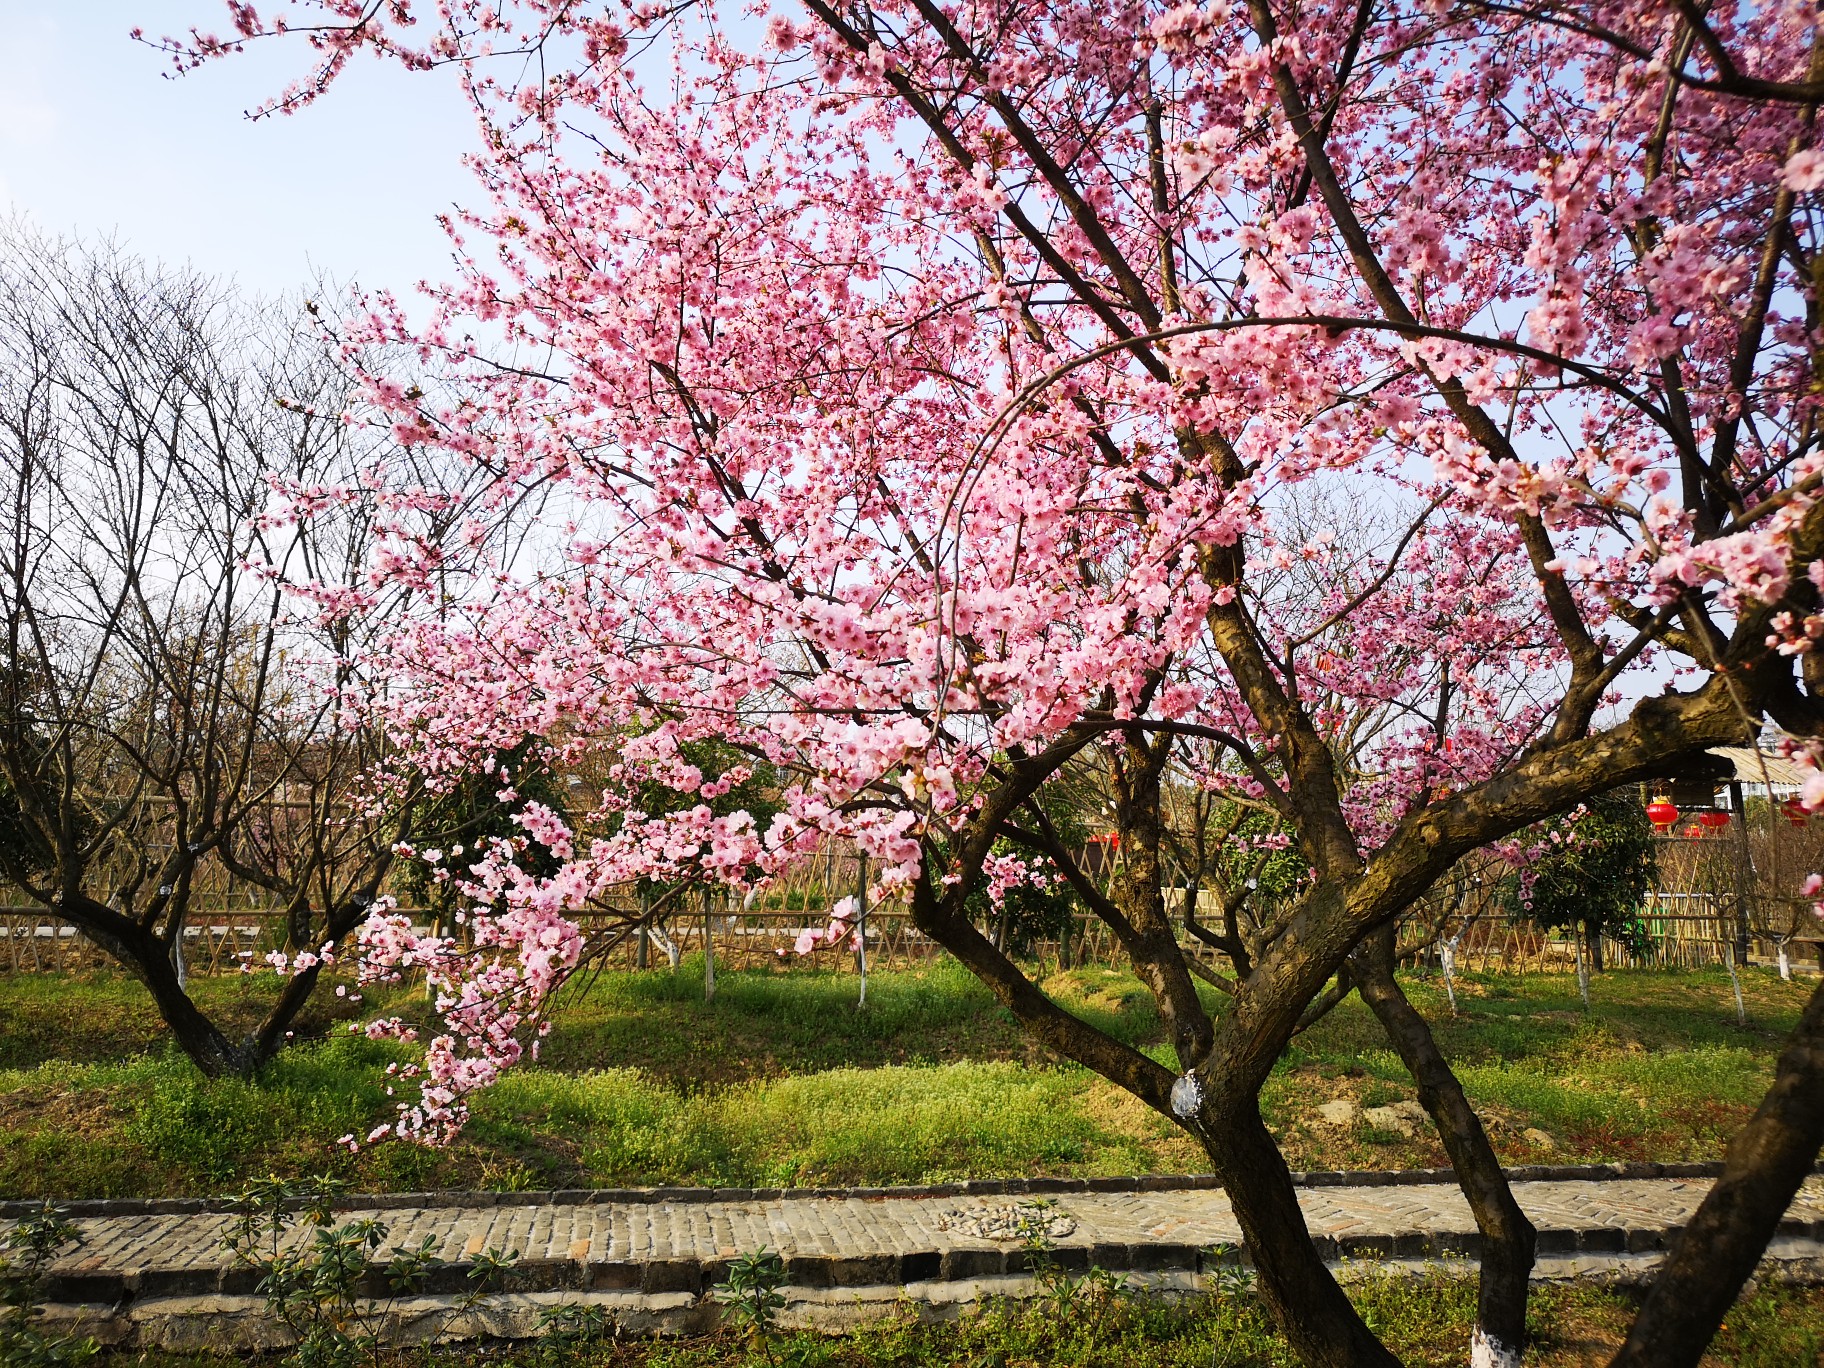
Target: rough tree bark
{"x": 1307, "y": 1303}
{"x": 1718, "y": 1251}
{"x": 1508, "y": 1237}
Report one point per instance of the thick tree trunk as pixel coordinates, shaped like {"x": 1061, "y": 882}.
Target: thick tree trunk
{"x": 1311, "y": 1310}
{"x": 1303, "y": 1296}
{"x": 151, "y": 961}
{"x": 200, "y": 1039}
{"x": 1592, "y": 934}
{"x": 1140, "y": 896}
{"x": 1507, "y": 1235}
{"x": 196, "y": 1035}
{"x": 1766, "y": 1161}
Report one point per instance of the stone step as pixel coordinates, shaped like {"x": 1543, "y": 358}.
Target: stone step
{"x": 163, "y": 1277}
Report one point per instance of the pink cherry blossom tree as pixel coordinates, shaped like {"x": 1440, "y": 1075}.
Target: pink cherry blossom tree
{"x": 926, "y": 397}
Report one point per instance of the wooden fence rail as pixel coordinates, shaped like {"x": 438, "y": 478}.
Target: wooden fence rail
{"x": 32, "y": 940}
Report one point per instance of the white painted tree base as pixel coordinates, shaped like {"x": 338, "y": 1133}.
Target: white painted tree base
{"x": 1485, "y": 1352}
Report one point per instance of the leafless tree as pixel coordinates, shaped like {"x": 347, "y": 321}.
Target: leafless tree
{"x": 169, "y": 719}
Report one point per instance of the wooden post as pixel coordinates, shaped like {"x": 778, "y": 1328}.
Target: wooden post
{"x": 642, "y": 946}
{"x": 709, "y": 948}
{"x": 861, "y": 924}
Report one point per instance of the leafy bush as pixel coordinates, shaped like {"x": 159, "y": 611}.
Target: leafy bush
{"x": 751, "y": 1294}
{"x": 26, "y": 1253}
{"x": 1592, "y": 871}
{"x": 321, "y": 1288}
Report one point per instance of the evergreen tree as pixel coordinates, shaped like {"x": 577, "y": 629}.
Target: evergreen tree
{"x": 1591, "y": 871}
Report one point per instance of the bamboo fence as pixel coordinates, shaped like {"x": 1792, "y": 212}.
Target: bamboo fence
{"x": 226, "y": 942}
{"x": 1718, "y": 899}
{"x": 221, "y": 941}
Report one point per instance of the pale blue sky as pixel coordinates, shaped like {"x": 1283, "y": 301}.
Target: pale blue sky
{"x": 94, "y": 138}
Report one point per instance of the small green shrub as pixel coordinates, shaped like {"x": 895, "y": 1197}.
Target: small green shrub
{"x": 26, "y": 1253}
{"x": 321, "y": 1288}
{"x": 751, "y": 1294}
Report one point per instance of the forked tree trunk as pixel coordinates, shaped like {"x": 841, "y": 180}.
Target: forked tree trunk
{"x": 198, "y": 1037}
{"x": 1508, "y": 1237}
{"x": 152, "y": 960}
{"x": 206, "y": 1047}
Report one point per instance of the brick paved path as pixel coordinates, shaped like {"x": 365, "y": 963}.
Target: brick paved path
{"x": 662, "y": 1246}
{"x": 165, "y": 1278}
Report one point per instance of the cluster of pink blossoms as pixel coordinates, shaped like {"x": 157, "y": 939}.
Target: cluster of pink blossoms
{"x": 911, "y": 405}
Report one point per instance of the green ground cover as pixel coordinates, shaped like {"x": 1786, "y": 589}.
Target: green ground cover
{"x": 1425, "y": 1321}
{"x": 781, "y": 1081}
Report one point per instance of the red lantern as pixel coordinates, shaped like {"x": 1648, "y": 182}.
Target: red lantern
{"x": 1662, "y": 814}
{"x": 1693, "y": 831}
{"x": 1714, "y": 820}
{"x": 1795, "y": 811}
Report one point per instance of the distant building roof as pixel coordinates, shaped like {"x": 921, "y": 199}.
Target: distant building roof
{"x": 1758, "y": 767}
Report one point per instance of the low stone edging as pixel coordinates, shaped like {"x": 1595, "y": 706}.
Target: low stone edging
{"x": 218, "y": 1322}
{"x": 695, "y": 1277}
{"x": 155, "y": 1274}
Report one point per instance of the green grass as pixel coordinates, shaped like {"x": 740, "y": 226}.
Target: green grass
{"x": 1657, "y": 1070}
{"x": 105, "y": 1017}
{"x": 1426, "y": 1321}
{"x": 782, "y": 1081}
{"x": 895, "y": 1124}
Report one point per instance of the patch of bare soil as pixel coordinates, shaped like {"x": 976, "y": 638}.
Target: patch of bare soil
{"x": 82, "y": 1115}
{"x": 1313, "y": 1142}
{"x": 1167, "y": 1149}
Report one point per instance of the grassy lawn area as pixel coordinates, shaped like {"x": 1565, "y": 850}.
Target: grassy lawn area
{"x": 781, "y": 1081}
{"x": 1425, "y": 1321}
